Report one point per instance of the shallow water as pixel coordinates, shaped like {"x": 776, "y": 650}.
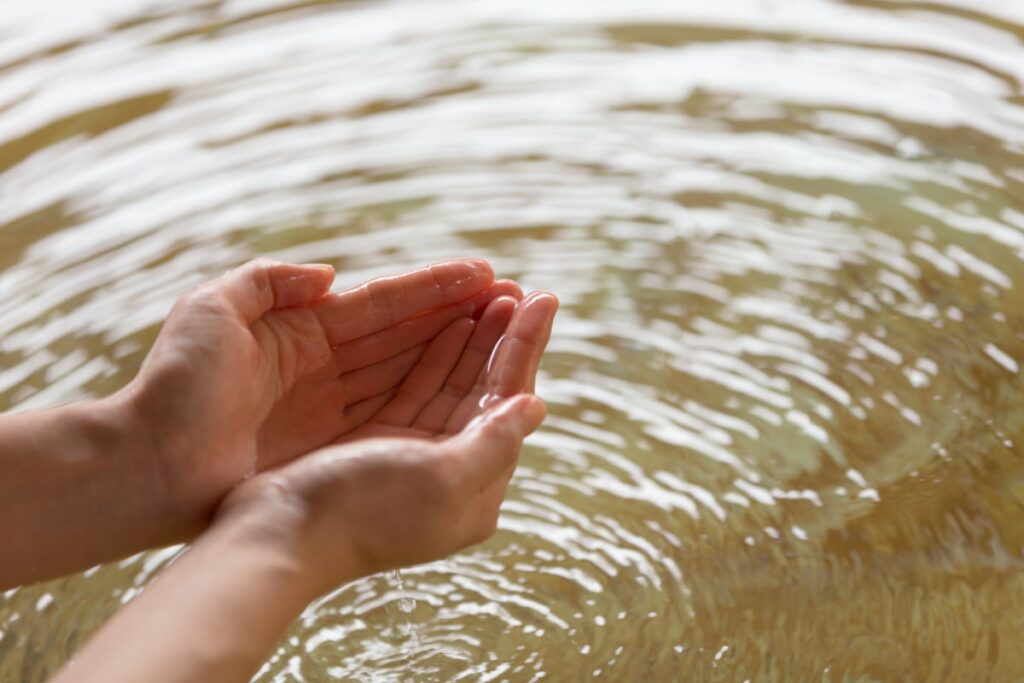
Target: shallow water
{"x": 785, "y": 394}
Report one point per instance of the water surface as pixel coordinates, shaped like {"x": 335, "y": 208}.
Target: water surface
{"x": 785, "y": 391}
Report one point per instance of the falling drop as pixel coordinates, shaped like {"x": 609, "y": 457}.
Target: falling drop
{"x": 406, "y": 603}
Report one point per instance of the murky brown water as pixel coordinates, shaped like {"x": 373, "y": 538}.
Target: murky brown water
{"x": 786, "y": 406}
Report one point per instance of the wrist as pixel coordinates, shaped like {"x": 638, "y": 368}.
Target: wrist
{"x": 266, "y": 512}
{"x": 78, "y": 488}
{"x": 116, "y": 428}
{"x": 267, "y": 541}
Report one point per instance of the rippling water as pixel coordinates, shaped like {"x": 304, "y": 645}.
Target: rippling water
{"x": 786, "y": 401}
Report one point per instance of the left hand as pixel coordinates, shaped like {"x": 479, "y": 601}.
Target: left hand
{"x": 263, "y": 364}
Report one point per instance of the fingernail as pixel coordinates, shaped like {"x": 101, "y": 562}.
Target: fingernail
{"x": 536, "y": 297}
{"x": 322, "y": 267}
{"x": 313, "y": 274}
{"x": 481, "y": 265}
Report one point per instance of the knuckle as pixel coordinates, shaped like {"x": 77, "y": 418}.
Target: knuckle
{"x": 380, "y": 295}
{"x": 258, "y": 270}
{"x": 183, "y": 302}
{"x": 259, "y": 263}
{"x": 202, "y": 298}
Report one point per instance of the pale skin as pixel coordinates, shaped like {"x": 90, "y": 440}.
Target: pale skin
{"x": 415, "y": 388}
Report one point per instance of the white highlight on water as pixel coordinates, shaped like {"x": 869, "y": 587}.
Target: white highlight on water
{"x": 1001, "y": 357}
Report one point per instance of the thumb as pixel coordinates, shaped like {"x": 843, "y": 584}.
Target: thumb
{"x": 519, "y": 415}
{"x": 490, "y": 444}
{"x": 263, "y": 285}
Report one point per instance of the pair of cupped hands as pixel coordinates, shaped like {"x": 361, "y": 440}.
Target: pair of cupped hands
{"x": 383, "y": 422}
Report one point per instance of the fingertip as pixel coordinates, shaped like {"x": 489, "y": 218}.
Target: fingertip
{"x": 542, "y": 298}
{"x": 535, "y": 314}
{"x": 526, "y": 410}
{"x": 301, "y": 284}
{"x": 509, "y": 288}
{"x": 500, "y": 289}
{"x": 323, "y": 274}
{"x": 535, "y": 412}
{"x": 502, "y": 307}
{"x": 481, "y": 266}
{"x": 265, "y": 284}
{"x": 478, "y": 269}
{"x": 323, "y": 268}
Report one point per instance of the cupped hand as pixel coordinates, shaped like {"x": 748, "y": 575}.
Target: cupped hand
{"x": 426, "y": 472}
{"x": 469, "y": 366}
{"x": 264, "y": 364}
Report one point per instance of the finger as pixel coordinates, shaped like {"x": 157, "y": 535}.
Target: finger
{"x": 263, "y": 285}
{"x": 463, "y": 378}
{"x": 377, "y": 378}
{"x": 489, "y": 446}
{"x": 393, "y": 340}
{"x": 509, "y": 288}
{"x": 429, "y": 375}
{"x": 517, "y": 358}
{"x": 513, "y": 366}
{"x": 387, "y": 301}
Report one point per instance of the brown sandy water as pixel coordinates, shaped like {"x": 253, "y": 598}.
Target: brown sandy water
{"x": 786, "y": 403}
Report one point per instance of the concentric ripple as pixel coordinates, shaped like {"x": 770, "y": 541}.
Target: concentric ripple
{"x": 785, "y": 391}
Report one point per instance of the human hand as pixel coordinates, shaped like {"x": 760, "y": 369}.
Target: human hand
{"x": 468, "y": 367}
{"x": 429, "y": 474}
{"x": 263, "y": 364}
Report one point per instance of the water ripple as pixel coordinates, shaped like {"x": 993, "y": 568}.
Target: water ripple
{"x": 785, "y": 383}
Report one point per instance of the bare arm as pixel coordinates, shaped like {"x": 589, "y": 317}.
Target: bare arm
{"x": 445, "y": 443}
{"x": 250, "y": 371}
{"x": 77, "y": 487}
{"x": 212, "y": 616}
{"x": 289, "y": 536}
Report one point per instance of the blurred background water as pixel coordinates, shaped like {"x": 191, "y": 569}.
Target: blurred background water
{"x": 785, "y": 391}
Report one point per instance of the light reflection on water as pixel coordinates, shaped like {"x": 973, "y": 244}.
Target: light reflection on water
{"x": 788, "y": 237}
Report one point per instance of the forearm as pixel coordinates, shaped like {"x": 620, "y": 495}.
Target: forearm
{"x": 288, "y": 535}
{"x": 77, "y": 488}
{"x": 214, "y": 615}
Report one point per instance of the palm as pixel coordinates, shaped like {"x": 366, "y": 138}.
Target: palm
{"x": 464, "y": 370}
{"x": 343, "y": 388}
{"x": 233, "y": 386}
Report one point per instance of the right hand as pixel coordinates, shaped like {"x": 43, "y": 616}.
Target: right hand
{"x": 426, "y": 476}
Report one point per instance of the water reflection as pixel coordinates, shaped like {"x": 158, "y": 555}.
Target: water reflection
{"x": 788, "y": 239}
